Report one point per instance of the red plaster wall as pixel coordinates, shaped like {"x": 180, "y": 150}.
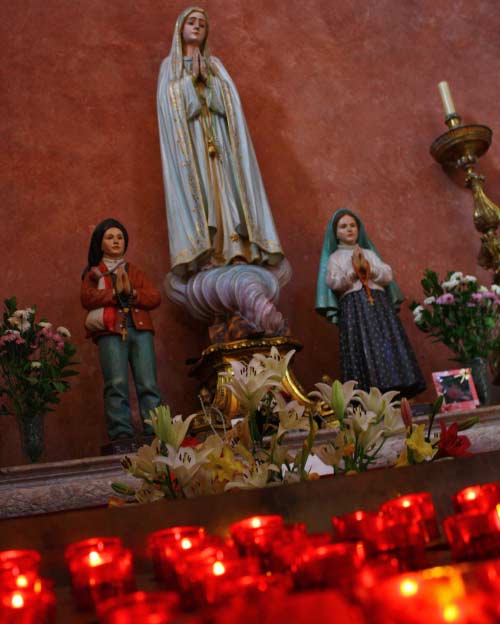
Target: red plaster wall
{"x": 342, "y": 103}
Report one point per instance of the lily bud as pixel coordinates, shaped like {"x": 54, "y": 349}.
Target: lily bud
{"x": 338, "y": 403}
{"x": 406, "y": 413}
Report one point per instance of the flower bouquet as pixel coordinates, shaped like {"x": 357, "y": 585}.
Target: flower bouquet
{"x": 35, "y": 362}
{"x": 464, "y": 316}
{"x": 254, "y": 452}
{"x": 461, "y": 314}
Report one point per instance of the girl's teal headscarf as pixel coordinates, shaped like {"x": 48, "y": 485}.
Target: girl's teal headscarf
{"x": 326, "y": 300}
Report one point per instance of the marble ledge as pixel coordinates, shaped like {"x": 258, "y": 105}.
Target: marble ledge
{"x": 82, "y": 483}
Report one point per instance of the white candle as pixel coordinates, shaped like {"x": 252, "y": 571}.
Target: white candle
{"x": 444, "y": 92}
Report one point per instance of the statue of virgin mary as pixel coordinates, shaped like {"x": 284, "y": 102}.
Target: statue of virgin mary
{"x": 217, "y": 209}
{"x": 227, "y": 265}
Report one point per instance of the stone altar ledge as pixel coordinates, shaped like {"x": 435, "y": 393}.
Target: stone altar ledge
{"x": 82, "y": 483}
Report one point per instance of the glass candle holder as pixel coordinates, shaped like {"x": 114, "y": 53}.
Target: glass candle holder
{"x": 480, "y": 498}
{"x": 167, "y": 545}
{"x": 384, "y": 536}
{"x": 255, "y": 530}
{"x": 139, "y": 607}
{"x": 354, "y": 526}
{"x": 19, "y": 569}
{"x": 266, "y": 540}
{"x": 285, "y": 551}
{"x": 100, "y": 568}
{"x": 436, "y": 595}
{"x": 411, "y": 507}
{"x": 201, "y": 573}
{"x": 32, "y": 605}
{"x": 474, "y": 535}
{"x": 329, "y": 565}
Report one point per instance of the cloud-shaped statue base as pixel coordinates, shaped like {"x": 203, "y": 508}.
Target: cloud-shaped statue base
{"x": 237, "y": 301}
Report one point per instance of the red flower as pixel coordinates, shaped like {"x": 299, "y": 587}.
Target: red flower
{"x": 451, "y": 444}
{"x": 190, "y": 441}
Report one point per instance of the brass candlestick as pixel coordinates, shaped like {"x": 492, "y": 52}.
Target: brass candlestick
{"x": 461, "y": 147}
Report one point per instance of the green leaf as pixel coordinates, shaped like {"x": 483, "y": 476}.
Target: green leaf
{"x": 69, "y": 373}
{"x": 60, "y": 386}
{"x": 11, "y": 305}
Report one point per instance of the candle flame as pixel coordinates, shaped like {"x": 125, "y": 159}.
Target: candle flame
{"x": 358, "y": 515}
{"x": 17, "y": 601}
{"x": 21, "y": 581}
{"x": 470, "y": 494}
{"x": 406, "y": 503}
{"x": 218, "y": 568}
{"x": 408, "y": 587}
{"x": 256, "y": 523}
{"x": 451, "y": 613}
{"x": 95, "y": 558}
{"x": 37, "y": 587}
{"x": 186, "y": 543}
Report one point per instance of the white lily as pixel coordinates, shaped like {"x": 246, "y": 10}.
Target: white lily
{"x": 393, "y": 423}
{"x": 45, "y": 324}
{"x": 274, "y": 363}
{"x": 143, "y": 464}
{"x": 375, "y": 401}
{"x": 332, "y": 453}
{"x": 495, "y": 288}
{"x": 255, "y": 478}
{"x": 171, "y": 431}
{"x": 249, "y": 384}
{"x": 359, "y": 420}
{"x": 369, "y": 438}
{"x": 291, "y": 416}
{"x": 427, "y": 301}
{"x": 148, "y": 493}
{"x": 325, "y": 392}
{"x": 183, "y": 462}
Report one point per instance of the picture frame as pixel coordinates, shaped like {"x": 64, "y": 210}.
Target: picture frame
{"x": 457, "y": 388}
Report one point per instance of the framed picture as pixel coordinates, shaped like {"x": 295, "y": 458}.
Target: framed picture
{"x": 457, "y": 388}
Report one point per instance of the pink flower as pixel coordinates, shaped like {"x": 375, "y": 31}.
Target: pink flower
{"x": 477, "y": 296}
{"x": 445, "y": 299}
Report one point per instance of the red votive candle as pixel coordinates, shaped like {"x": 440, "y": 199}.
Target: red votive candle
{"x": 435, "y": 595}
{"x": 256, "y": 529}
{"x": 353, "y": 526}
{"x": 243, "y": 584}
{"x": 139, "y": 608}
{"x": 413, "y": 507}
{"x": 100, "y": 568}
{"x": 329, "y": 565}
{"x": 201, "y": 573}
{"x": 481, "y": 498}
{"x": 474, "y": 535}
{"x": 19, "y": 569}
{"x": 167, "y": 545}
{"x": 285, "y": 552}
{"x": 32, "y": 605}
{"x": 383, "y": 535}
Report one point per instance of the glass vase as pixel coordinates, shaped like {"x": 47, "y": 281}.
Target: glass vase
{"x": 479, "y": 369}
{"x": 32, "y": 439}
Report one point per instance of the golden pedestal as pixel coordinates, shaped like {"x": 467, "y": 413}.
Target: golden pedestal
{"x": 213, "y": 370}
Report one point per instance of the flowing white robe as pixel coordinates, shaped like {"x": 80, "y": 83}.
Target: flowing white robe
{"x": 217, "y": 208}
